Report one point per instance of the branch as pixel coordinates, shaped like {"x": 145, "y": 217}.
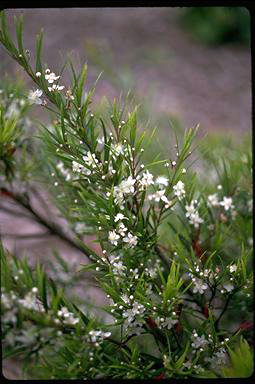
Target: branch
{"x": 52, "y": 227}
{"x": 216, "y": 324}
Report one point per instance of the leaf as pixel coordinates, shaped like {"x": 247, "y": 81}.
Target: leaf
{"x": 241, "y": 361}
{"x": 180, "y": 361}
{"x": 83, "y": 76}
{"x": 19, "y": 32}
{"x": 87, "y": 267}
{"x": 84, "y": 318}
{"x": 38, "y": 64}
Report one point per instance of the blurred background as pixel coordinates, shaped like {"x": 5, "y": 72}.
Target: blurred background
{"x": 186, "y": 65}
{"x": 191, "y": 64}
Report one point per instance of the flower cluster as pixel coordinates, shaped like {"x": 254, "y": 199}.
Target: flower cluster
{"x": 179, "y": 190}
{"x": 192, "y": 214}
{"x": 160, "y": 195}
{"x": 67, "y": 317}
{"x": 166, "y": 322}
{"x": 96, "y": 337}
{"x": 199, "y": 342}
{"x": 134, "y": 310}
{"x": 51, "y": 78}
{"x": 126, "y": 187}
{"x": 30, "y": 301}
{"x": 65, "y": 172}
{"x": 226, "y": 203}
{"x": 34, "y": 96}
{"x": 8, "y": 299}
{"x": 145, "y": 180}
{"x": 199, "y": 285}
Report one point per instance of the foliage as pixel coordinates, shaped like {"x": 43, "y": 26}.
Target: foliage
{"x": 172, "y": 254}
{"x": 241, "y": 361}
{"x": 218, "y": 25}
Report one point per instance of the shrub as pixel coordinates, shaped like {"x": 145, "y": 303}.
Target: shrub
{"x": 172, "y": 256}
{"x": 218, "y": 25}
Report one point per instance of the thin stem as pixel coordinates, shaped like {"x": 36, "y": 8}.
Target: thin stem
{"x": 216, "y": 324}
{"x": 52, "y": 227}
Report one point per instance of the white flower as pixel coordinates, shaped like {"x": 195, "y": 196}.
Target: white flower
{"x": 113, "y": 258}
{"x": 130, "y": 239}
{"x": 56, "y": 87}
{"x": 193, "y": 215}
{"x": 137, "y": 308}
{"x": 127, "y": 186}
{"x": 198, "y": 342}
{"x": 152, "y": 272}
{"x": 51, "y": 77}
{"x": 113, "y": 237}
{"x": 219, "y": 358}
{"x": 195, "y": 219}
{"x": 77, "y": 167}
{"x": 125, "y": 298}
{"x": 34, "y": 96}
{"x": 232, "y": 268}
{"x": 90, "y": 159}
{"x": 30, "y": 301}
{"x": 188, "y": 364}
{"x": 129, "y": 315}
{"x": 147, "y": 179}
{"x": 200, "y": 286}
{"x": 159, "y": 195}
{"x": 179, "y": 190}
{"x": 100, "y": 140}
{"x": 228, "y": 287}
{"x": 118, "y": 217}
{"x": 38, "y": 74}
{"x": 122, "y": 229}
{"x": 168, "y": 323}
{"x": 119, "y": 268}
{"x": 213, "y": 200}
{"x": 6, "y": 300}
{"x": 65, "y": 172}
{"x": 161, "y": 180}
{"x": 227, "y": 203}
{"x": 97, "y": 336}
{"x": 190, "y": 209}
{"x": 117, "y": 149}
{"x": 69, "y": 94}
{"x": 71, "y": 320}
{"x": 67, "y": 316}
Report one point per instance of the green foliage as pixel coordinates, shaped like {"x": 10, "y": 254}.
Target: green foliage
{"x": 218, "y": 25}
{"x": 241, "y": 361}
{"x": 172, "y": 250}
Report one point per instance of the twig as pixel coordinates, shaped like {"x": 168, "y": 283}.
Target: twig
{"x": 52, "y": 227}
{"x": 216, "y": 323}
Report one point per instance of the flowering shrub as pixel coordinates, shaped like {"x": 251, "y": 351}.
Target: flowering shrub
{"x": 173, "y": 258}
